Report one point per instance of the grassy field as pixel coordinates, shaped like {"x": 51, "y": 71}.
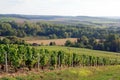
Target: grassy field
{"x": 82, "y": 73}
{"x": 82, "y": 51}
{"x": 47, "y": 42}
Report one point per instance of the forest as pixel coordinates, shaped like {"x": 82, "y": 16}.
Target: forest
{"x": 55, "y": 30}
{"x": 110, "y": 43}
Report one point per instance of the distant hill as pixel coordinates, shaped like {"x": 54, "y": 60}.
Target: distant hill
{"x": 29, "y": 17}
{"x": 50, "y": 17}
{"x": 69, "y": 20}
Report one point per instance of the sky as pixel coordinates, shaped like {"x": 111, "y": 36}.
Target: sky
{"x": 61, "y": 7}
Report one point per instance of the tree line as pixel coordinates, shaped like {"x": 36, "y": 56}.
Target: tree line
{"x": 14, "y": 57}
{"x": 11, "y": 40}
{"x": 54, "y": 30}
{"x": 110, "y": 43}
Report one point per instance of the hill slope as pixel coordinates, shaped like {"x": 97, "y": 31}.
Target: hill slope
{"x": 62, "y": 19}
{"x": 82, "y": 51}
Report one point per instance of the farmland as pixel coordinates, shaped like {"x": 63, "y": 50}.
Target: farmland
{"x": 47, "y": 42}
{"x": 82, "y": 51}
{"x": 83, "y": 72}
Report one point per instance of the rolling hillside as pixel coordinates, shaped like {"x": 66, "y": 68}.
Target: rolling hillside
{"x": 72, "y": 20}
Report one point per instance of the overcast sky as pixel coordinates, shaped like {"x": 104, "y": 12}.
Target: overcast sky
{"x": 61, "y": 7}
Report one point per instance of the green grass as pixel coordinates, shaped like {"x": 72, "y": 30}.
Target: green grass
{"x": 82, "y": 51}
{"x": 81, "y": 73}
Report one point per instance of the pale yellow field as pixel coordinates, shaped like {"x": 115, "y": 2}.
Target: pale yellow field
{"x": 47, "y": 42}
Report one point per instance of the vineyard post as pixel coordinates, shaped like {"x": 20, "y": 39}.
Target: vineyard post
{"x": 71, "y": 57}
{"x": 38, "y": 61}
{"x": 72, "y": 60}
{"x": 6, "y": 65}
{"x": 59, "y": 60}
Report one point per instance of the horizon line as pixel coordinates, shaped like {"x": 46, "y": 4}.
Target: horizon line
{"x": 54, "y": 15}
